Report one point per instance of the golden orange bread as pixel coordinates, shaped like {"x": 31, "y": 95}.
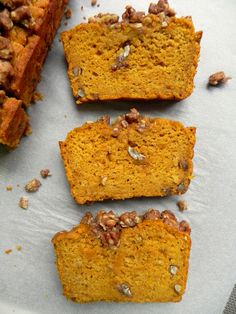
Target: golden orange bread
{"x": 151, "y": 56}
{"x": 13, "y": 122}
{"x": 132, "y": 157}
{"x": 127, "y": 258}
{"x": 27, "y": 31}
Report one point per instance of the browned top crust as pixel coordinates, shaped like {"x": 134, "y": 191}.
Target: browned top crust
{"x": 107, "y": 226}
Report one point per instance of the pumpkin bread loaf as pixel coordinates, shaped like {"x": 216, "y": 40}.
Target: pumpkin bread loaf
{"x": 132, "y": 157}
{"x": 151, "y": 56}
{"x": 27, "y": 29}
{"x": 127, "y": 258}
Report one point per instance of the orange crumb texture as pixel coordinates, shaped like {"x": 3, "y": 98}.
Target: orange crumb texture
{"x": 144, "y": 157}
{"x": 151, "y": 264}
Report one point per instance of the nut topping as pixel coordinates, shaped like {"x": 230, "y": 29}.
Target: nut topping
{"x": 13, "y": 4}
{"x": 218, "y": 78}
{"x": 135, "y": 154}
{"x": 6, "y": 72}
{"x": 20, "y": 14}
{"x": 5, "y": 21}
{"x": 33, "y": 185}
{"x": 152, "y": 214}
{"x": 132, "y": 116}
{"x": 161, "y": 6}
{"x": 107, "y": 226}
{"x": 107, "y": 19}
{"x": 129, "y": 219}
{"x": 6, "y": 51}
{"x": 132, "y": 16}
{"x": 125, "y": 290}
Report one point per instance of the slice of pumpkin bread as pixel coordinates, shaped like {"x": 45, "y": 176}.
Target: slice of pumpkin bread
{"x": 128, "y": 258}
{"x": 132, "y": 157}
{"x": 151, "y": 56}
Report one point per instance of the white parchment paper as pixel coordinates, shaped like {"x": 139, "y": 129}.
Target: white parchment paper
{"x": 28, "y": 279}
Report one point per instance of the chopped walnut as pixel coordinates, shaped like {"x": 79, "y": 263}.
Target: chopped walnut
{"x": 24, "y": 202}
{"x": 124, "y": 123}
{"x": 135, "y": 154}
{"x": 182, "y": 205}
{"x": 107, "y": 19}
{"x": 93, "y": 3}
{"x": 218, "y": 78}
{"x": 169, "y": 218}
{"x": 20, "y": 14}
{"x": 132, "y": 16}
{"x": 183, "y": 164}
{"x": 37, "y": 96}
{"x": 87, "y": 219}
{"x": 120, "y": 60}
{"x": 129, "y": 219}
{"x": 124, "y": 289}
{"x": 106, "y": 119}
{"x": 45, "y": 173}
{"x": 6, "y": 50}
{"x": 103, "y": 180}
{"x": 13, "y": 4}
{"x": 33, "y": 185}
{"x": 68, "y": 13}
{"x": 152, "y": 214}
{"x": 177, "y": 288}
{"x": 184, "y": 227}
{"x": 106, "y": 220}
{"x": 132, "y": 116}
{"x": 8, "y": 251}
{"x": 161, "y": 6}
{"x": 6, "y": 73}
{"x": 5, "y": 21}
{"x": 9, "y": 188}
{"x": 2, "y": 96}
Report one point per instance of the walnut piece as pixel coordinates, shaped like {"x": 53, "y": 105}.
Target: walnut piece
{"x": 6, "y": 50}
{"x": 218, "y": 78}
{"x": 161, "y": 6}
{"x": 135, "y": 154}
{"x": 132, "y": 16}
{"x": 93, "y": 3}
{"x": 182, "y": 205}
{"x": 45, "y": 173}
{"x": 6, "y": 73}
{"x": 129, "y": 219}
{"x": 20, "y": 14}
{"x": 132, "y": 116}
{"x": 68, "y": 13}
{"x": 5, "y": 21}
{"x": 107, "y": 19}
{"x": 24, "y": 202}
{"x": 33, "y": 185}
{"x": 2, "y": 96}
{"x": 152, "y": 214}
{"x": 124, "y": 289}
{"x": 13, "y": 4}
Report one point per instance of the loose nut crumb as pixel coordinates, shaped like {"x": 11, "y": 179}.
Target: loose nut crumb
{"x": 68, "y": 13}
{"x": 9, "y": 188}
{"x": 135, "y": 154}
{"x": 33, "y": 185}
{"x": 124, "y": 289}
{"x": 19, "y": 247}
{"x": 182, "y": 205}
{"x": 24, "y": 202}
{"x": 45, "y": 173}
{"x": 177, "y": 288}
{"x": 93, "y": 3}
{"x": 218, "y": 78}
{"x": 8, "y": 251}
{"x": 37, "y": 96}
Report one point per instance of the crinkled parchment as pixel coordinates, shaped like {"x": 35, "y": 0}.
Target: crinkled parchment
{"x": 28, "y": 278}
